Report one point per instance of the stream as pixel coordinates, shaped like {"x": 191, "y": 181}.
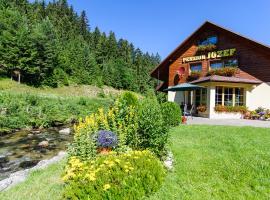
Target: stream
{"x": 24, "y": 149}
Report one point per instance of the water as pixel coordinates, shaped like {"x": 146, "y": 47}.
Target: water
{"x": 20, "y": 150}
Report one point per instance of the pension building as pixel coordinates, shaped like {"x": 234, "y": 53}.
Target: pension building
{"x": 215, "y": 69}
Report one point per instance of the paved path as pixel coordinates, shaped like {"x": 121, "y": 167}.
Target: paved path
{"x": 229, "y": 122}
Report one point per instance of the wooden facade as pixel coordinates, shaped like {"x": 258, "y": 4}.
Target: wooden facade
{"x": 253, "y": 57}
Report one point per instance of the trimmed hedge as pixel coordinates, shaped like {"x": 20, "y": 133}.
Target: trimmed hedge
{"x": 171, "y": 113}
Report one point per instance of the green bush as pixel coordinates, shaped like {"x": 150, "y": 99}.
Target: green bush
{"x": 127, "y": 99}
{"x": 129, "y": 176}
{"x": 171, "y": 113}
{"x": 152, "y": 131}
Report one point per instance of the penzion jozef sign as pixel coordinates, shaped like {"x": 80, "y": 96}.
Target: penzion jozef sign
{"x": 211, "y": 55}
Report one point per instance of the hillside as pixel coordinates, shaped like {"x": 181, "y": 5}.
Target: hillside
{"x": 22, "y": 106}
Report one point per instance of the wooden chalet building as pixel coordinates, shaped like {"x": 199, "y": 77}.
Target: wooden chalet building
{"x": 215, "y": 67}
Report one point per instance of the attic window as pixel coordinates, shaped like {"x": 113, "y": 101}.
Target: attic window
{"x": 209, "y": 40}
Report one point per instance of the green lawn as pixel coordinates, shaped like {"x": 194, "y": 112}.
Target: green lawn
{"x": 40, "y": 185}
{"x": 219, "y": 162}
{"x": 211, "y": 162}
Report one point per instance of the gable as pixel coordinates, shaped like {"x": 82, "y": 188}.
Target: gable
{"x": 254, "y": 62}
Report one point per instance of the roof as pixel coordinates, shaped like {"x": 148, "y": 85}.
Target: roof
{"x": 184, "y": 87}
{"x": 161, "y": 68}
{"x": 216, "y": 78}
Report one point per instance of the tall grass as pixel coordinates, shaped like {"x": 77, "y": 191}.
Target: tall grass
{"x": 30, "y": 110}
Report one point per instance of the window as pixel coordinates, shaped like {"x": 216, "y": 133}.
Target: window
{"x": 196, "y": 67}
{"x": 228, "y": 96}
{"x": 239, "y": 96}
{"x": 201, "y": 97}
{"x": 208, "y": 40}
{"x": 216, "y": 65}
{"x": 224, "y": 63}
{"x": 219, "y": 94}
{"x": 231, "y": 63}
{"x": 204, "y": 97}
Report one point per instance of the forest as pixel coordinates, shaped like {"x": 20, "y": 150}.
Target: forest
{"x": 50, "y": 44}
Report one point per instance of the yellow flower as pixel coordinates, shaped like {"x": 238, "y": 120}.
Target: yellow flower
{"x": 106, "y": 187}
{"x": 126, "y": 170}
{"x": 117, "y": 160}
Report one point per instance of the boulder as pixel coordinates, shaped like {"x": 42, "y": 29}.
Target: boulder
{"x": 43, "y": 144}
{"x": 65, "y": 131}
{"x": 28, "y": 163}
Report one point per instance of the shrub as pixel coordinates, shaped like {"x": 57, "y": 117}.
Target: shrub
{"x": 131, "y": 175}
{"x": 123, "y": 125}
{"x": 152, "y": 131}
{"x": 225, "y": 71}
{"x": 127, "y": 99}
{"x": 171, "y": 113}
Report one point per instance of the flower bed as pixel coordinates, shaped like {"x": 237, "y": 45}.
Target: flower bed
{"x": 258, "y": 114}
{"x": 135, "y": 134}
{"x": 132, "y": 175}
{"x": 230, "y": 109}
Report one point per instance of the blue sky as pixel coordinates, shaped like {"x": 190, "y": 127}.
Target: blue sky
{"x": 161, "y": 25}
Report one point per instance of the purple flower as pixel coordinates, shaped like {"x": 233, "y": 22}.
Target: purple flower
{"x": 106, "y": 139}
{"x": 261, "y": 113}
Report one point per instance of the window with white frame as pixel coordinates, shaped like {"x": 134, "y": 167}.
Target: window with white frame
{"x": 229, "y": 96}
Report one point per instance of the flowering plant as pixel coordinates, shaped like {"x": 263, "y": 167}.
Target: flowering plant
{"x": 225, "y": 71}
{"x": 116, "y": 175}
{"x": 202, "y": 108}
{"x": 106, "y": 139}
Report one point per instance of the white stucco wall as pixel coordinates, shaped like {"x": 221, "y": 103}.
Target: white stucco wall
{"x": 258, "y": 96}
{"x": 177, "y": 97}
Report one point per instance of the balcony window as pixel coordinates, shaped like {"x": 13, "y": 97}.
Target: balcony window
{"x": 216, "y": 65}
{"x": 197, "y": 67}
{"x": 224, "y": 63}
{"x": 209, "y": 40}
{"x": 231, "y": 63}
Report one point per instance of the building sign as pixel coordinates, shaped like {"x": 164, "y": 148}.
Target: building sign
{"x": 211, "y": 55}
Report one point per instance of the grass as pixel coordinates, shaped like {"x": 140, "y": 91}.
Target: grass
{"x": 6, "y": 85}
{"x": 218, "y": 162}
{"x": 211, "y": 162}
{"x": 22, "y": 106}
{"x": 40, "y": 185}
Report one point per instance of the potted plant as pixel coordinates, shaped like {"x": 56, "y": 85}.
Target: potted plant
{"x": 106, "y": 141}
{"x": 201, "y": 108}
{"x": 184, "y": 119}
{"x": 225, "y": 71}
{"x": 194, "y": 76}
{"x": 254, "y": 115}
{"x": 208, "y": 47}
